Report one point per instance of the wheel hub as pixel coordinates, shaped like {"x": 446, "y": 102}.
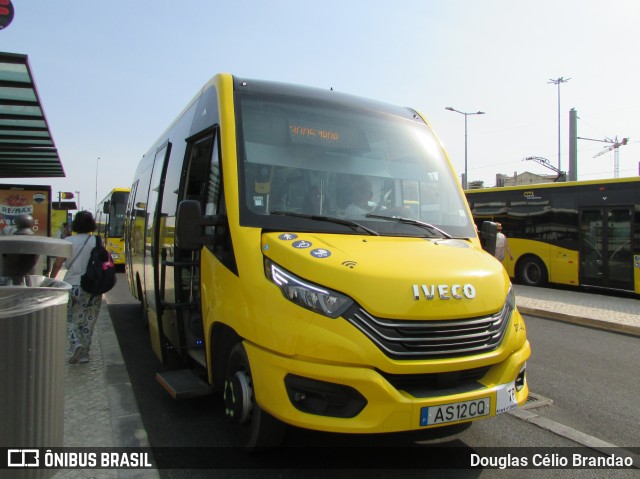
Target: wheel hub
{"x": 237, "y": 397}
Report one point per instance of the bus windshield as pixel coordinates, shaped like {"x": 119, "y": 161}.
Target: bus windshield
{"x": 117, "y": 209}
{"x": 314, "y": 158}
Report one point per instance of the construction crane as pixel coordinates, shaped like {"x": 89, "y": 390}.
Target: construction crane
{"x": 613, "y": 145}
{"x": 544, "y": 162}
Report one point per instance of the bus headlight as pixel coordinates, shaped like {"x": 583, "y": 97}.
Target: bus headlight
{"x": 511, "y": 300}
{"x": 310, "y": 296}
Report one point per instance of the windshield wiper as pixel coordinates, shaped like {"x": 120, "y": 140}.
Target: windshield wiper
{"x": 351, "y": 224}
{"x": 409, "y": 221}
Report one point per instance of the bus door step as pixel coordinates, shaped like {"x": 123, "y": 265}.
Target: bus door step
{"x": 183, "y": 384}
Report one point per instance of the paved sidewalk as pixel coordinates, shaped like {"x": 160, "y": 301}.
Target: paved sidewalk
{"x": 101, "y": 409}
{"x": 613, "y": 313}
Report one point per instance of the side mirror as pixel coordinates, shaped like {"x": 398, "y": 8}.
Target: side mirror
{"x": 190, "y": 225}
{"x": 488, "y": 236}
{"x": 105, "y": 208}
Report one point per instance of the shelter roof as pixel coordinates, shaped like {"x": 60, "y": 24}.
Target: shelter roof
{"x": 27, "y": 149}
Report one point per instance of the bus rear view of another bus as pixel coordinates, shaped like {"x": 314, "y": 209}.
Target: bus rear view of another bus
{"x": 311, "y": 256}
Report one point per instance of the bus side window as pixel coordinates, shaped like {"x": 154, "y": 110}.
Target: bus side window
{"x": 203, "y": 176}
{"x": 198, "y": 171}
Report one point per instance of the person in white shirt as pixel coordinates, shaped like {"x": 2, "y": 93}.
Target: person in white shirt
{"x": 83, "y": 307}
{"x": 502, "y": 245}
{"x": 361, "y": 204}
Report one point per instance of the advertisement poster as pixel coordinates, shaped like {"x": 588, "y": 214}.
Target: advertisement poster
{"x": 18, "y": 199}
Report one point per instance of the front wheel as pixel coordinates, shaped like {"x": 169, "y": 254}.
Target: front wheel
{"x": 255, "y": 428}
{"x": 532, "y": 271}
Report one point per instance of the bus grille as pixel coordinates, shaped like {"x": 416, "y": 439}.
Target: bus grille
{"x": 402, "y": 339}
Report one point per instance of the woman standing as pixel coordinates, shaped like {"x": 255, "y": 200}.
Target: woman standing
{"x": 83, "y": 308}
{"x": 502, "y": 245}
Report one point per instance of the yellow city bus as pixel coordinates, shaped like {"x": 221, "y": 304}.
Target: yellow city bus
{"x": 579, "y": 233}
{"x": 254, "y": 265}
{"x": 110, "y": 216}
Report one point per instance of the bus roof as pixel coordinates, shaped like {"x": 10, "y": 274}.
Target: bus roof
{"x": 115, "y": 190}
{"x": 322, "y": 94}
{"x": 566, "y": 184}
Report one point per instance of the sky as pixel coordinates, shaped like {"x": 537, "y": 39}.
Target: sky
{"x": 112, "y": 75}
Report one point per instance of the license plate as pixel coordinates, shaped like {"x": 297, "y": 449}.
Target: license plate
{"x": 457, "y": 411}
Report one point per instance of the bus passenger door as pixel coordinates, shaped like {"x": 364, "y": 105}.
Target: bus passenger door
{"x": 606, "y": 258}
{"x": 152, "y": 246}
{"x": 130, "y": 234}
{"x": 201, "y": 177}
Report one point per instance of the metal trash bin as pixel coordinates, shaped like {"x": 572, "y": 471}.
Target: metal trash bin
{"x": 33, "y": 324}
{"x": 33, "y": 319}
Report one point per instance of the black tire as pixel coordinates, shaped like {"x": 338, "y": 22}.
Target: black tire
{"x": 532, "y": 271}
{"x": 256, "y": 429}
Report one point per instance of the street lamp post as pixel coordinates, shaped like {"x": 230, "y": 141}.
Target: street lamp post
{"x": 559, "y": 81}
{"x": 465, "y": 182}
{"x": 95, "y": 207}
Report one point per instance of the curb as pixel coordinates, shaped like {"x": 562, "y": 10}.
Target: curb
{"x": 126, "y": 421}
{"x": 582, "y": 321}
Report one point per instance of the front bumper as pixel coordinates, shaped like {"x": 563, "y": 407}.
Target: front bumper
{"x": 386, "y": 408}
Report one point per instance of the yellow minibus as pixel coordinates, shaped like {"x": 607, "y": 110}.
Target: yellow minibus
{"x": 311, "y": 255}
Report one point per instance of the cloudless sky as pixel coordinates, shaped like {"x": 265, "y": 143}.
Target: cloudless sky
{"x": 112, "y": 75}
